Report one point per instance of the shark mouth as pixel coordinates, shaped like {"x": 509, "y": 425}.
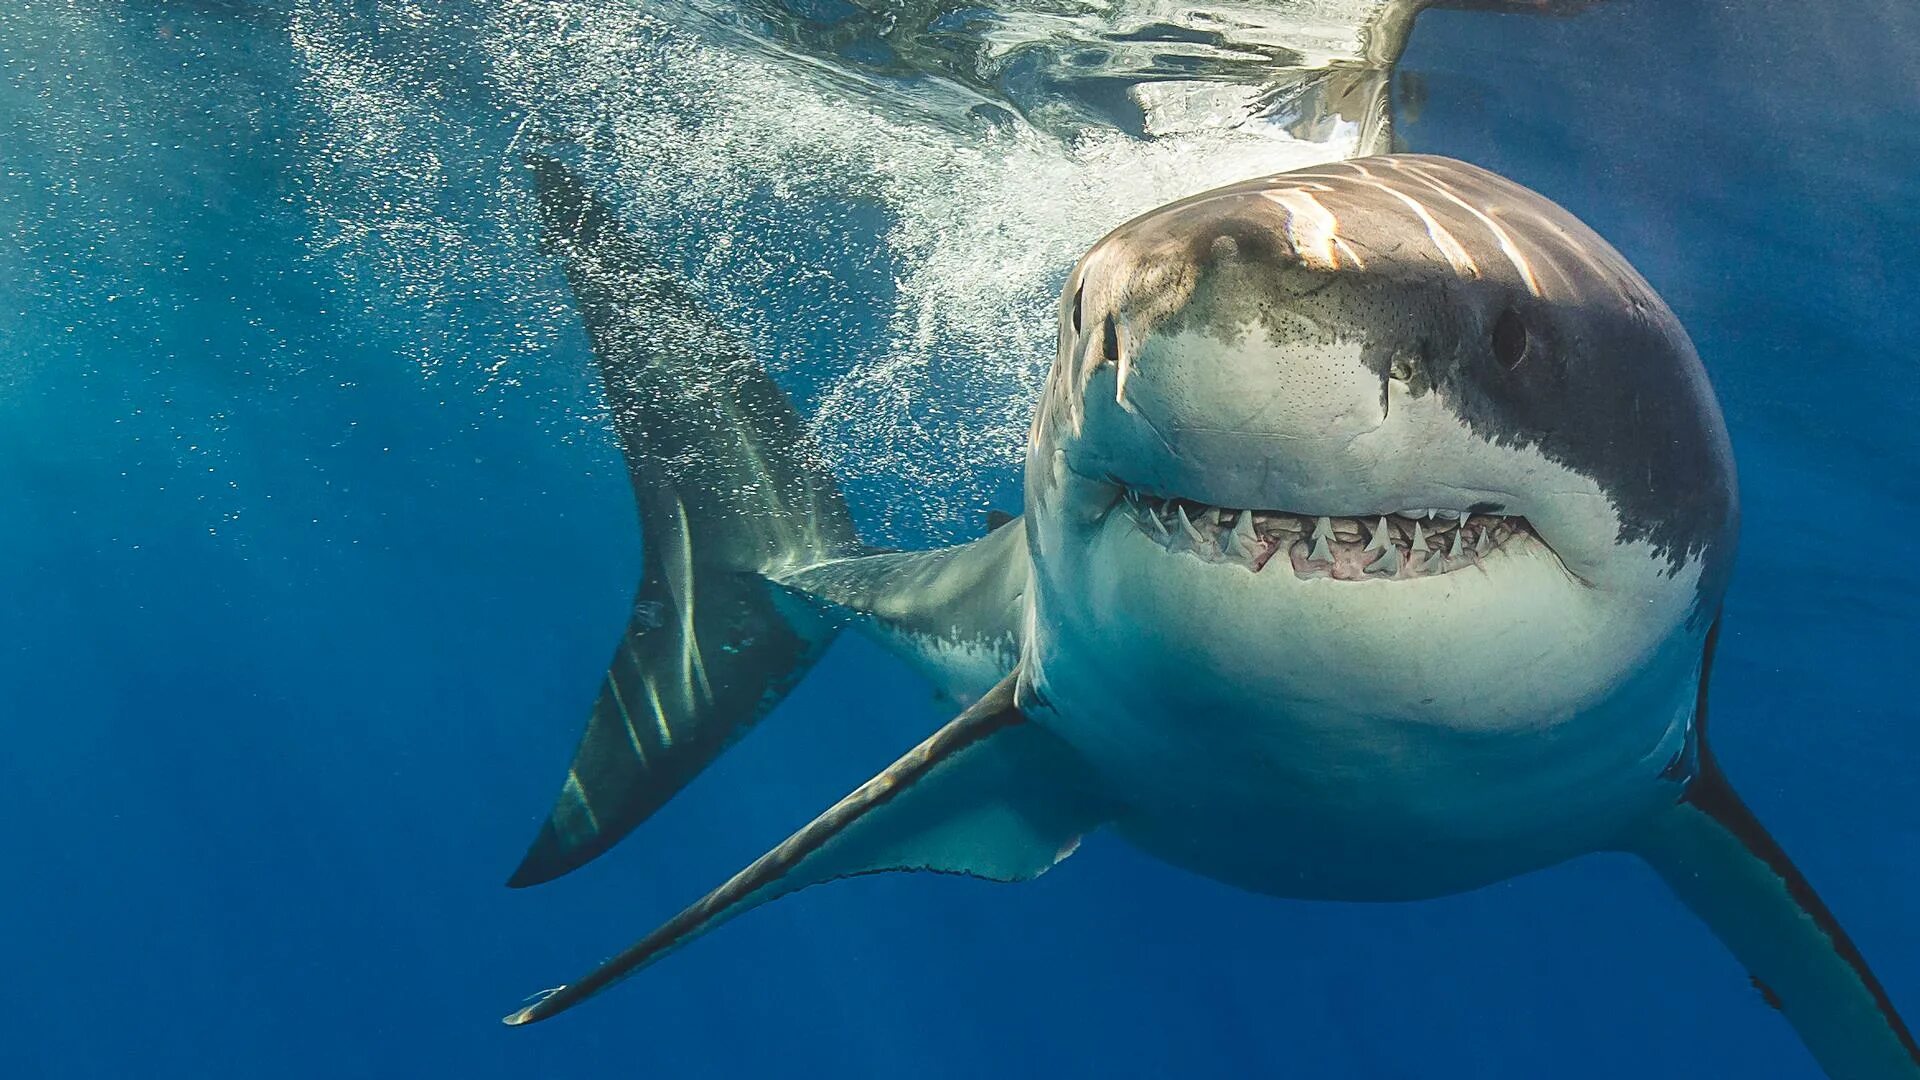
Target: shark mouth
{"x": 1382, "y": 547}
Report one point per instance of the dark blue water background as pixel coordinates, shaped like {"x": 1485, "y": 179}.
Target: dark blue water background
{"x": 298, "y": 634}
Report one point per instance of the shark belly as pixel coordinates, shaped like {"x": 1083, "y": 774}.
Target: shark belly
{"x": 1301, "y": 800}
{"x": 1363, "y": 757}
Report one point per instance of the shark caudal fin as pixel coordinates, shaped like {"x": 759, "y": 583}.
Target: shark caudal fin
{"x": 1720, "y": 860}
{"x": 727, "y": 492}
{"x": 991, "y": 795}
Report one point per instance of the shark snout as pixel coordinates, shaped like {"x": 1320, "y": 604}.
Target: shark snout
{"x": 1237, "y": 416}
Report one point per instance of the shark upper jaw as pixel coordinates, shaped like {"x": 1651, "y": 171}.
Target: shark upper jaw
{"x": 1382, "y": 546}
{"x": 1242, "y": 527}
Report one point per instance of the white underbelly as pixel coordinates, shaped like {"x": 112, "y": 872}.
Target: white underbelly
{"x": 1308, "y": 736}
{"x": 1360, "y": 798}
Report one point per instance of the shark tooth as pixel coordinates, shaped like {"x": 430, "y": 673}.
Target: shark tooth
{"x": 1151, "y": 524}
{"x": 1381, "y": 539}
{"x": 1187, "y": 526}
{"x": 1188, "y": 538}
{"x": 1434, "y": 563}
{"x": 1456, "y": 550}
{"x": 1485, "y": 542}
{"x": 1389, "y": 561}
{"x": 1322, "y": 551}
{"x": 1242, "y": 543}
{"x": 1419, "y": 541}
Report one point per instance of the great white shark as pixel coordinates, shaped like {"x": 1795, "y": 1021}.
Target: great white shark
{"x": 1378, "y": 519}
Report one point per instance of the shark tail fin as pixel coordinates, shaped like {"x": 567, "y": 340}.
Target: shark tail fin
{"x": 1721, "y": 861}
{"x": 728, "y": 491}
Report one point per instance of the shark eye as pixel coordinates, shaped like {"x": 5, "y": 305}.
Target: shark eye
{"x": 1110, "y": 341}
{"x": 1076, "y": 309}
{"x": 1511, "y": 341}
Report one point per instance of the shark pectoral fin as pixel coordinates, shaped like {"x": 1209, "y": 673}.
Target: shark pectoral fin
{"x": 1717, "y": 856}
{"x": 990, "y": 794}
{"x": 954, "y": 613}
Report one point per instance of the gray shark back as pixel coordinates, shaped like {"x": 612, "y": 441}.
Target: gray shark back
{"x": 727, "y": 492}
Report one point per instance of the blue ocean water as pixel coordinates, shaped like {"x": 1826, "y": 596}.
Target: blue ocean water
{"x": 306, "y": 596}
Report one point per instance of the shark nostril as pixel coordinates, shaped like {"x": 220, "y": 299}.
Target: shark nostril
{"x": 1401, "y": 370}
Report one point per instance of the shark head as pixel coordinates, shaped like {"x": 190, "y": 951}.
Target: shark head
{"x": 1398, "y": 418}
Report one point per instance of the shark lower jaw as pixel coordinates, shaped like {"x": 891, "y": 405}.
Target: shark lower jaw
{"x": 1404, "y": 545}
